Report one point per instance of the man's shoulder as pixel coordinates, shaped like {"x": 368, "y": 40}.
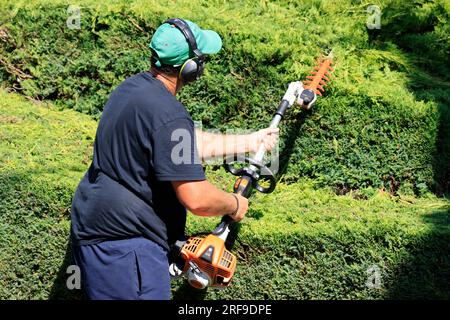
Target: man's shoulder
{"x": 147, "y": 96}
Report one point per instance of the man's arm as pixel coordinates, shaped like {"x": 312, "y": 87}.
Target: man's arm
{"x": 211, "y": 145}
{"x": 204, "y": 199}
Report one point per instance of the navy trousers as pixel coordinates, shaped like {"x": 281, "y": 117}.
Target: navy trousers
{"x": 129, "y": 269}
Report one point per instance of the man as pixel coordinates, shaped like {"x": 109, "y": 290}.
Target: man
{"x": 130, "y": 207}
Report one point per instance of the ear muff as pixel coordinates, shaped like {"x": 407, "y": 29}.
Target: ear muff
{"x": 193, "y": 68}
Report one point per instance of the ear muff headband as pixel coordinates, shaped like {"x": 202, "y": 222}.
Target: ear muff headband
{"x": 192, "y": 69}
{"x": 186, "y": 30}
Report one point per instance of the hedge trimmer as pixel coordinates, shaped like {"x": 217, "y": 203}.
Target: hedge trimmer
{"x": 205, "y": 260}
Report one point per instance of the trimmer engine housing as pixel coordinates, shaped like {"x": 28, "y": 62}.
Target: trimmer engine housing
{"x": 208, "y": 262}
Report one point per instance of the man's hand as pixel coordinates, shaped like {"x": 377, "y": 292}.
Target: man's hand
{"x": 243, "y": 208}
{"x": 267, "y": 136}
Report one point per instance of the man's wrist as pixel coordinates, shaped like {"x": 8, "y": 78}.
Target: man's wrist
{"x": 252, "y": 142}
{"x": 234, "y": 213}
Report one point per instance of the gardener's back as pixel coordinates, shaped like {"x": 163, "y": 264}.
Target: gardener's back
{"x": 126, "y": 192}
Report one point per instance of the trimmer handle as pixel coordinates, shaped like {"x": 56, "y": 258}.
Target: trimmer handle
{"x": 248, "y": 179}
{"x": 251, "y": 175}
{"x": 223, "y": 226}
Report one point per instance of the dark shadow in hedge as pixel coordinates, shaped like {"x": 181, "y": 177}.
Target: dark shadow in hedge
{"x": 413, "y": 30}
{"x": 59, "y": 289}
{"x": 293, "y": 131}
{"x": 425, "y": 273}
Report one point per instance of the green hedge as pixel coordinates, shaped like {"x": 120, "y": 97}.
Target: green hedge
{"x": 383, "y": 122}
{"x": 316, "y": 245}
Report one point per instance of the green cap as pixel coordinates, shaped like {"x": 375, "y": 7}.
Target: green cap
{"x": 172, "y": 47}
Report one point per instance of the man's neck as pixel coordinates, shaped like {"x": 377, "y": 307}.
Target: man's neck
{"x": 170, "y": 82}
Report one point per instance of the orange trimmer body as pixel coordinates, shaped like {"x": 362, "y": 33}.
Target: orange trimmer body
{"x": 211, "y": 257}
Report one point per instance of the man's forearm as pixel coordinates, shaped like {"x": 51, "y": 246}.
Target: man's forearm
{"x": 216, "y": 203}
{"x": 204, "y": 199}
{"x": 211, "y": 145}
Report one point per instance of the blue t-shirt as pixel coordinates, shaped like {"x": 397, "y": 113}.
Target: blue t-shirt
{"x": 145, "y": 139}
